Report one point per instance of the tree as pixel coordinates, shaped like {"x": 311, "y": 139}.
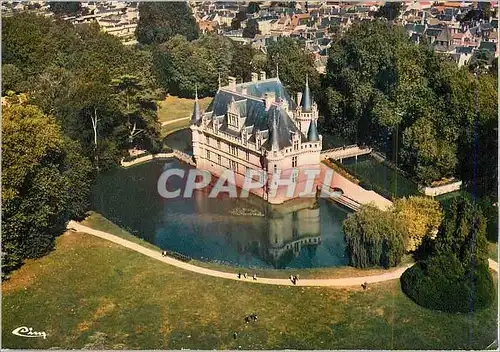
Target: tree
{"x": 390, "y": 10}
{"x": 69, "y": 73}
{"x": 12, "y": 79}
{"x": 294, "y": 63}
{"x": 422, "y": 217}
{"x": 238, "y": 18}
{"x": 454, "y": 270}
{"x": 45, "y": 182}
{"x": 253, "y": 7}
{"x": 181, "y": 65}
{"x": 138, "y": 107}
{"x": 382, "y": 90}
{"x": 160, "y": 21}
{"x": 251, "y": 29}
{"x": 374, "y": 238}
{"x": 65, "y": 8}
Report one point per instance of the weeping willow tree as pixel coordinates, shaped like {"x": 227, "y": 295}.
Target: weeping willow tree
{"x": 374, "y": 238}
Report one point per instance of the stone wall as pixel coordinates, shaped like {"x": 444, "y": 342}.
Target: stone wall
{"x": 436, "y": 191}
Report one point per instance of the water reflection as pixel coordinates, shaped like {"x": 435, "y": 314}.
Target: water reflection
{"x": 240, "y": 232}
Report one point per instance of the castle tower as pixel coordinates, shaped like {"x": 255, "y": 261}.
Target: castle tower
{"x": 307, "y": 111}
{"x": 196, "y": 116}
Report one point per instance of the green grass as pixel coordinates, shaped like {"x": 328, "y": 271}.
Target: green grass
{"x": 174, "y": 108}
{"x": 174, "y": 127}
{"x": 95, "y": 294}
{"x": 493, "y": 251}
{"x": 99, "y": 222}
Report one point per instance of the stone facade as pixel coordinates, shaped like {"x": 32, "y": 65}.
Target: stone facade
{"x": 257, "y": 126}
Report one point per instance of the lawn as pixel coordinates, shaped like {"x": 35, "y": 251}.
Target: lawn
{"x": 90, "y": 293}
{"x": 173, "y": 127}
{"x": 493, "y": 251}
{"x": 174, "y": 108}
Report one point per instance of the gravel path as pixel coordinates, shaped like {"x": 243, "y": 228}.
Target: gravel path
{"x": 342, "y": 282}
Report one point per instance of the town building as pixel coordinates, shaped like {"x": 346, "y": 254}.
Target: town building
{"x": 257, "y": 126}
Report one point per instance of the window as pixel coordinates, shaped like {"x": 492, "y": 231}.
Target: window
{"x": 295, "y": 145}
{"x": 218, "y": 144}
{"x": 275, "y": 168}
{"x": 294, "y": 161}
{"x": 219, "y": 160}
{"x": 207, "y": 139}
{"x": 247, "y": 156}
{"x": 233, "y": 150}
{"x": 208, "y": 154}
{"x": 233, "y": 165}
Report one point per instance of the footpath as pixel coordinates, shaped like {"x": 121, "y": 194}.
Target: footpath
{"x": 341, "y": 282}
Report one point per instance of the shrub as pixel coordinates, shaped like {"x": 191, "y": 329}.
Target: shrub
{"x": 374, "y": 238}
{"x": 446, "y": 278}
{"x": 422, "y": 216}
{"x": 366, "y": 185}
{"x": 442, "y": 283}
{"x": 166, "y": 149}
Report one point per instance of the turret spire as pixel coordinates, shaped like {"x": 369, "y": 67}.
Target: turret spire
{"x": 196, "y": 117}
{"x": 306, "y": 97}
{"x": 312, "y": 132}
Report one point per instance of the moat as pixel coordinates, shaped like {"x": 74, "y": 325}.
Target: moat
{"x": 247, "y": 232}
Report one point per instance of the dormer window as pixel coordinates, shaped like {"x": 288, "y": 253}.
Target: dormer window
{"x": 233, "y": 120}
{"x": 295, "y": 145}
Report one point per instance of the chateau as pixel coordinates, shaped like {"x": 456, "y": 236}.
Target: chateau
{"x": 257, "y": 126}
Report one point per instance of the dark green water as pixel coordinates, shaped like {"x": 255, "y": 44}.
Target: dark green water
{"x": 381, "y": 175}
{"x": 299, "y": 234}
{"x": 181, "y": 140}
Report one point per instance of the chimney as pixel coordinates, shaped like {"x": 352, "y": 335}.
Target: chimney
{"x": 268, "y": 100}
{"x": 255, "y": 77}
{"x": 232, "y": 83}
{"x": 299, "y": 98}
{"x": 262, "y": 75}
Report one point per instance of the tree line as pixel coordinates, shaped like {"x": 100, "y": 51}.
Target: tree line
{"x": 403, "y": 99}
{"x": 76, "y": 100}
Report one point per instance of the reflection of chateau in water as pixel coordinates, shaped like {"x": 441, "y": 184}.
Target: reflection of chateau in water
{"x": 292, "y": 227}
{"x": 277, "y": 237}
{"x": 261, "y": 236}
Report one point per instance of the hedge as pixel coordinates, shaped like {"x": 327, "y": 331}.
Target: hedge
{"x": 341, "y": 169}
{"x": 443, "y": 283}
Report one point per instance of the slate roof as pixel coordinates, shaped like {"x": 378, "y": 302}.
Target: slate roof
{"x": 490, "y": 46}
{"x": 312, "y": 132}
{"x": 464, "y": 49}
{"x": 252, "y": 106}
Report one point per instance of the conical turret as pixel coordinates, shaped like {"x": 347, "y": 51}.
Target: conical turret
{"x": 306, "y": 98}
{"x": 196, "y": 117}
{"x": 312, "y": 132}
